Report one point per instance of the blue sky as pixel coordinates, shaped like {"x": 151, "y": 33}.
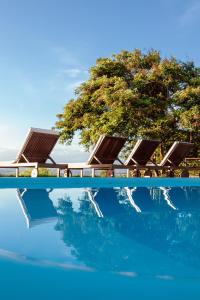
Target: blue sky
{"x": 47, "y": 47}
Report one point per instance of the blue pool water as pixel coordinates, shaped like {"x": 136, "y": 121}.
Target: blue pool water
{"x": 99, "y": 238}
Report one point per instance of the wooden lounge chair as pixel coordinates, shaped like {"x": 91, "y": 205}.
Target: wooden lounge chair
{"x": 142, "y": 152}
{"x": 175, "y": 155}
{"x": 103, "y": 156}
{"x": 141, "y": 155}
{"x": 144, "y": 149}
{"x": 35, "y": 152}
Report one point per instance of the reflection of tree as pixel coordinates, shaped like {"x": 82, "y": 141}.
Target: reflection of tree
{"x": 94, "y": 240}
{"x": 171, "y": 232}
{"x": 124, "y": 239}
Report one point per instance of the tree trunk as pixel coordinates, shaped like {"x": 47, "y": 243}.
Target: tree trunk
{"x": 190, "y": 136}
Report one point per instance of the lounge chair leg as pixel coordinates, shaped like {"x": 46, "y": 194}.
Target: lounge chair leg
{"x": 185, "y": 173}
{"x": 35, "y": 172}
{"x": 110, "y": 173}
{"x": 93, "y": 172}
{"x": 136, "y": 173}
{"x": 81, "y": 173}
{"x": 58, "y": 172}
{"x": 170, "y": 173}
{"x": 128, "y": 173}
{"x": 66, "y": 173}
{"x": 148, "y": 173}
{"x": 157, "y": 173}
{"x": 17, "y": 172}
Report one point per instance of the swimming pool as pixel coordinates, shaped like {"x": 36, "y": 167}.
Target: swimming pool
{"x": 99, "y": 238}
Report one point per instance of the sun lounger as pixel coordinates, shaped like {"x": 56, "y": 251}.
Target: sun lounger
{"x": 173, "y": 158}
{"x": 35, "y": 152}
{"x": 140, "y": 156}
{"x": 103, "y": 156}
{"x": 142, "y": 152}
{"x": 176, "y": 154}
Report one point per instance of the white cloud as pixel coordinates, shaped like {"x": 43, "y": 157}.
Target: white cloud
{"x": 65, "y": 56}
{"x": 73, "y": 72}
{"x": 70, "y": 73}
{"x": 71, "y": 87}
{"x": 70, "y": 153}
{"x": 7, "y": 154}
{"x": 191, "y": 14}
{"x": 35, "y": 102}
{"x": 9, "y": 137}
{"x": 61, "y": 153}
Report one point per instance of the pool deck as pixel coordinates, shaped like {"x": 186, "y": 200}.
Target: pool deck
{"x": 45, "y": 182}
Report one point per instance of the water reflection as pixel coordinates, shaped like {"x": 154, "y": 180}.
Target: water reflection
{"x": 145, "y": 230}
{"x": 36, "y": 205}
{"x": 168, "y": 222}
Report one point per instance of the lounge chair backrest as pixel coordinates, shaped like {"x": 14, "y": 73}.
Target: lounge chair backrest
{"x": 176, "y": 154}
{"x": 142, "y": 152}
{"x": 37, "y": 146}
{"x": 106, "y": 150}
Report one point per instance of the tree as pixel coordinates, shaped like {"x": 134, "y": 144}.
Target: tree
{"x": 135, "y": 94}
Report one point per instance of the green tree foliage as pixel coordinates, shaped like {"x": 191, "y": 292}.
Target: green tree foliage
{"x": 135, "y": 94}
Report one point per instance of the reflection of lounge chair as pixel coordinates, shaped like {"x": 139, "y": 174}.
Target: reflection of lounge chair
{"x": 106, "y": 201}
{"x": 142, "y": 153}
{"x": 129, "y": 192}
{"x": 36, "y": 206}
{"x": 103, "y": 156}
{"x": 167, "y": 197}
{"x": 91, "y": 195}
{"x": 36, "y": 151}
{"x": 140, "y": 199}
{"x": 181, "y": 201}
